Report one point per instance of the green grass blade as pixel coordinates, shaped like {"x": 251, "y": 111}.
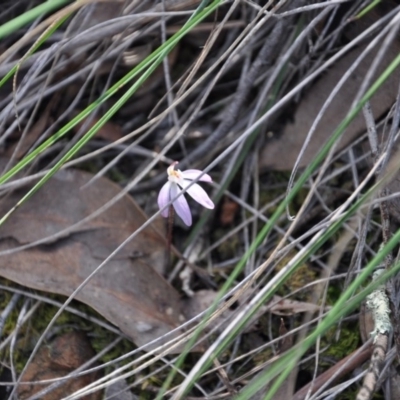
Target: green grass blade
{"x": 36, "y": 46}
{"x": 282, "y": 207}
{"x": 342, "y": 307}
{"x": 24, "y": 19}
{"x": 155, "y": 56}
{"x": 367, "y": 9}
{"x": 84, "y": 139}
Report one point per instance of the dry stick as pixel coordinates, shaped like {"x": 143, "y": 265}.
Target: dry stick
{"x": 224, "y": 377}
{"x": 375, "y": 367}
{"x": 381, "y": 338}
{"x": 342, "y": 368}
{"x": 390, "y": 285}
{"x": 378, "y": 301}
{"x": 358, "y": 253}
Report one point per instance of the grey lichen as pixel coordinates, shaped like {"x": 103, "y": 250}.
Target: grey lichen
{"x": 378, "y": 303}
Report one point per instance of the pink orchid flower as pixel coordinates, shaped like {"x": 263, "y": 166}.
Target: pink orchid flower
{"x": 178, "y": 180}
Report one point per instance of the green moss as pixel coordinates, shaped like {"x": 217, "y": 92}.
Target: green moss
{"x": 229, "y": 248}
{"x": 29, "y": 333}
{"x": 100, "y": 340}
{"x": 334, "y": 293}
{"x": 261, "y": 357}
{"x": 99, "y": 337}
{"x": 297, "y": 280}
{"x": 274, "y": 186}
{"x": 349, "y": 341}
{"x": 116, "y": 176}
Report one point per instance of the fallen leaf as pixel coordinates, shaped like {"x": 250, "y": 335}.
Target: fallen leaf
{"x": 128, "y": 290}
{"x": 286, "y": 342}
{"x": 61, "y": 357}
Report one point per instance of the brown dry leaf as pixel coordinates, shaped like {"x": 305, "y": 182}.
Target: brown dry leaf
{"x": 128, "y": 290}
{"x": 281, "y": 153}
{"x": 286, "y": 342}
{"x": 65, "y": 354}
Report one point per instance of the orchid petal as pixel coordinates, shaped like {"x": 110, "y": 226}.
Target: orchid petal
{"x": 198, "y": 194}
{"x": 181, "y": 205}
{"x": 193, "y": 174}
{"x": 164, "y": 198}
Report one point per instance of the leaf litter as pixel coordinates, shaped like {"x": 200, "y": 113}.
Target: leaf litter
{"x": 129, "y": 291}
{"x": 62, "y": 356}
